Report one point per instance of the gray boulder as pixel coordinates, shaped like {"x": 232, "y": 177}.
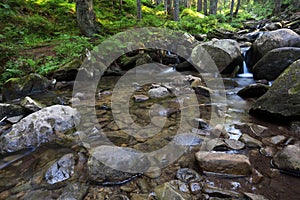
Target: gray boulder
{"x": 41, "y": 127}
{"x": 283, "y": 99}
{"x": 225, "y": 54}
{"x": 275, "y": 62}
{"x": 288, "y": 159}
{"x": 269, "y": 41}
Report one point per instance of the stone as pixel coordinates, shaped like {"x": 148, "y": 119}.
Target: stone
{"x": 271, "y": 65}
{"x": 201, "y": 124}
{"x": 225, "y": 54}
{"x": 61, "y": 170}
{"x": 31, "y": 104}
{"x": 234, "y": 144}
{"x": 140, "y": 98}
{"x": 255, "y": 196}
{"x": 250, "y": 141}
{"x": 295, "y": 126}
{"x": 269, "y": 41}
{"x": 172, "y": 190}
{"x": 67, "y": 72}
{"x": 211, "y": 190}
{"x": 159, "y": 92}
{"x": 11, "y": 110}
{"x": 74, "y": 191}
{"x": 44, "y": 126}
{"x": 222, "y": 163}
{"x": 15, "y": 88}
{"x": 111, "y": 164}
{"x": 253, "y": 90}
{"x": 288, "y": 159}
{"x": 187, "y": 175}
{"x": 275, "y": 140}
{"x": 282, "y": 101}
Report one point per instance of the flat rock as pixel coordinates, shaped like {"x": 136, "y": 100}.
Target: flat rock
{"x": 232, "y": 164}
{"x": 253, "y": 90}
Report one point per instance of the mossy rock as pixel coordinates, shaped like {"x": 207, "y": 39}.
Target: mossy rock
{"x": 282, "y": 100}
{"x": 15, "y": 88}
{"x": 67, "y": 72}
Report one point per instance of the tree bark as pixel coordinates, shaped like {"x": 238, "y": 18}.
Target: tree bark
{"x": 231, "y": 8}
{"x": 205, "y": 7}
{"x": 86, "y": 18}
{"x": 213, "y": 7}
{"x": 199, "y": 5}
{"x": 139, "y": 10}
{"x": 168, "y": 7}
{"x": 276, "y": 10}
{"x": 237, "y": 8}
{"x": 176, "y": 10}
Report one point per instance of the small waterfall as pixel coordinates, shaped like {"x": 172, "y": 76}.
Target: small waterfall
{"x": 245, "y": 72}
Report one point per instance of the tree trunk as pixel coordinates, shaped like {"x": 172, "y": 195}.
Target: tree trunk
{"x": 168, "y": 7}
{"x": 199, "y": 5}
{"x": 276, "y": 10}
{"x": 86, "y": 18}
{"x": 205, "y": 7}
{"x": 139, "y": 9}
{"x": 213, "y": 7}
{"x": 237, "y": 8}
{"x": 231, "y": 8}
{"x": 176, "y": 10}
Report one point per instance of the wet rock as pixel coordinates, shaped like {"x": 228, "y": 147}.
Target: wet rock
{"x": 44, "y": 126}
{"x": 143, "y": 59}
{"x": 118, "y": 197}
{"x": 234, "y": 144}
{"x": 253, "y": 90}
{"x": 282, "y": 100}
{"x": 273, "y": 26}
{"x": 159, "y": 92}
{"x": 185, "y": 66}
{"x": 268, "y": 151}
{"x": 216, "y": 144}
{"x": 201, "y": 124}
{"x": 225, "y": 54}
{"x": 172, "y": 190}
{"x": 67, "y": 72}
{"x": 214, "y": 191}
{"x": 143, "y": 185}
{"x": 231, "y": 164}
{"x": 250, "y": 141}
{"x": 187, "y": 139}
{"x": 202, "y": 90}
{"x": 115, "y": 165}
{"x": 288, "y": 159}
{"x": 275, "y": 140}
{"x": 255, "y": 196}
{"x": 31, "y": 104}
{"x": 295, "y": 126}
{"x": 10, "y": 110}
{"x": 271, "y": 65}
{"x": 74, "y": 191}
{"x": 269, "y": 41}
{"x": 187, "y": 175}
{"x": 16, "y": 88}
{"x": 139, "y": 196}
{"x": 140, "y": 98}
{"x": 61, "y": 170}
{"x": 154, "y": 173}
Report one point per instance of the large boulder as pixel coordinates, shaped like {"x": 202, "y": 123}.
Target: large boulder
{"x": 230, "y": 164}
{"x": 269, "y": 41}
{"x": 16, "y": 88}
{"x": 275, "y": 62}
{"x": 283, "y": 99}
{"x": 288, "y": 159}
{"x": 226, "y": 55}
{"x": 41, "y": 127}
{"x": 113, "y": 165}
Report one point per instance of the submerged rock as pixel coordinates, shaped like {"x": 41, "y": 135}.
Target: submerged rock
{"x": 61, "y": 170}
{"x": 222, "y": 163}
{"x": 159, "y": 92}
{"x": 43, "y": 126}
{"x": 172, "y": 190}
{"x": 269, "y": 41}
{"x": 288, "y": 159}
{"x": 16, "y": 88}
{"x": 275, "y": 62}
{"x": 283, "y": 98}
{"x": 115, "y": 165}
